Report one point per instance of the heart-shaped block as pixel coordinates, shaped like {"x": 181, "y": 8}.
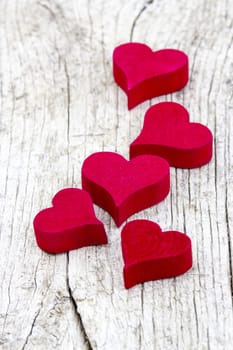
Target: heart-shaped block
{"x": 70, "y": 224}
{"x": 168, "y": 133}
{"x": 144, "y": 74}
{"x": 150, "y": 254}
{"x": 124, "y": 187}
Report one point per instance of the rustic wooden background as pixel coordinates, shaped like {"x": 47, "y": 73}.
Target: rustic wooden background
{"x": 59, "y": 104}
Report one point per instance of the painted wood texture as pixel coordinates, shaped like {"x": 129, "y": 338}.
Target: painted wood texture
{"x": 59, "y": 104}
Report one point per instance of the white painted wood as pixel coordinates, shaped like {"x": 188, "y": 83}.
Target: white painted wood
{"x": 59, "y": 104}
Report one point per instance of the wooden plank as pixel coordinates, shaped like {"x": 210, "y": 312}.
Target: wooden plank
{"x": 59, "y": 103}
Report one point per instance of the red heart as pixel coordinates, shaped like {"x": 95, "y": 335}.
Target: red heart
{"x": 70, "y": 224}
{"x": 150, "y": 254}
{"x": 168, "y": 133}
{"x": 144, "y": 74}
{"x": 124, "y": 187}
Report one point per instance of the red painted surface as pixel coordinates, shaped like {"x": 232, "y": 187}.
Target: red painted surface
{"x": 168, "y": 133}
{"x": 124, "y": 187}
{"x": 150, "y": 254}
{"x": 144, "y": 74}
{"x": 70, "y": 224}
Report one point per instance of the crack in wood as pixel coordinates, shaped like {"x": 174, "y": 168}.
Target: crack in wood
{"x": 75, "y": 308}
{"x": 31, "y": 330}
{"x": 46, "y": 7}
{"x": 68, "y": 101}
{"x": 145, "y": 6}
{"x": 229, "y": 245}
{"x": 68, "y": 115}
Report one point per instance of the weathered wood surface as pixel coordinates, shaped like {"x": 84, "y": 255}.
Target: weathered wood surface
{"x": 59, "y": 104}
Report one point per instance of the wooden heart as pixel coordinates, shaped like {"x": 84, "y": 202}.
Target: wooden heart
{"x": 150, "y": 254}
{"x": 70, "y": 224}
{"x": 144, "y": 74}
{"x": 168, "y": 133}
{"x": 124, "y": 187}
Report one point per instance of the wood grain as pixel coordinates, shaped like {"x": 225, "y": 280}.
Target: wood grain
{"x": 59, "y": 104}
